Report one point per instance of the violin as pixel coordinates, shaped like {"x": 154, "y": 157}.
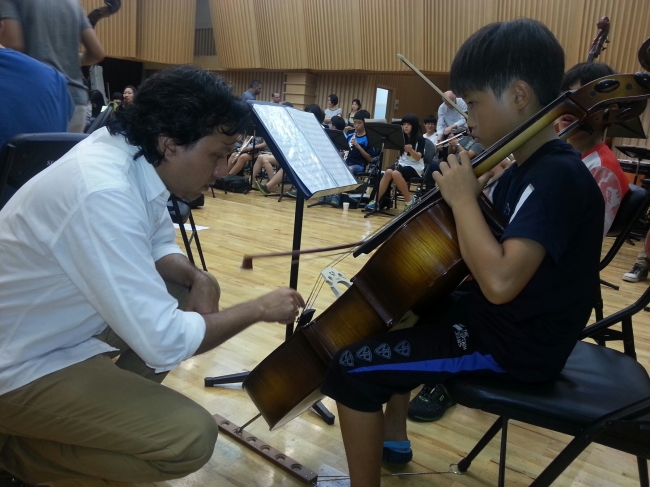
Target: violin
{"x": 417, "y": 261}
{"x": 111, "y": 8}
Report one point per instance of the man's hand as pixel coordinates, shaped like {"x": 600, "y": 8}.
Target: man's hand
{"x": 203, "y": 297}
{"x": 448, "y": 130}
{"x": 281, "y": 305}
{"x": 457, "y": 182}
{"x": 354, "y": 142}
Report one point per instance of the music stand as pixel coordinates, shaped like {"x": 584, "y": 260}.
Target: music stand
{"x": 341, "y": 143}
{"x": 314, "y": 166}
{"x": 635, "y": 152}
{"x": 386, "y": 136}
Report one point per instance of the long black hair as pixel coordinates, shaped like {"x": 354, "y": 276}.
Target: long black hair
{"x": 184, "y": 103}
{"x": 413, "y": 119}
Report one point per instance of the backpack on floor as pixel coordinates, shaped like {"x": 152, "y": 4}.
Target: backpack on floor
{"x": 233, "y": 183}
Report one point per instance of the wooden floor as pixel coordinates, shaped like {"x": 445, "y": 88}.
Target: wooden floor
{"x": 251, "y": 223}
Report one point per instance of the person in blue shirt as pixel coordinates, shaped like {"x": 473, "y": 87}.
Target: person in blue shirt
{"x": 360, "y": 154}
{"x": 34, "y": 99}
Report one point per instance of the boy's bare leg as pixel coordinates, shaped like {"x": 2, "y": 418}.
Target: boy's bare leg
{"x": 395, "y": 417}
{"x": 363, "y": 437}
{"x": 257, "y": 167}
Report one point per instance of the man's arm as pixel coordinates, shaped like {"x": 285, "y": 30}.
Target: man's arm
{"x": 440, "y": 126}
{"x": 94, "y": 52}
{"x": 502, "y": 271}
{"x": 363, "y": 153}
{"x": 280, "y": 305}
{"x": 203, "y": 296}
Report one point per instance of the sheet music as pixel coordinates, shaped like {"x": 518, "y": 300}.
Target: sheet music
{"x": 307, "y": 148}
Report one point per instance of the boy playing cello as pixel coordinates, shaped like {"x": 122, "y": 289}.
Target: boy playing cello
{"x": 534, "y": 289}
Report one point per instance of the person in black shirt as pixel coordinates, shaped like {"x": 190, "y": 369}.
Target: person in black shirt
{"x": 533, "y": 289}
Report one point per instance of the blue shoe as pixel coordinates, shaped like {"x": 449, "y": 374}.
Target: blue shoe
{"x": 335, "y": 201}
{"x": 371, "y": 206}
{"x": 397, "y": 452}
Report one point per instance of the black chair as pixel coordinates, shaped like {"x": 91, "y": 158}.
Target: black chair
{"x": 180, "y": 213}
{"x": 101, "y": 120}
{"x": 26, "y": 155}
{"x": 634, "y": 205}
{"x": 601, "y": 396}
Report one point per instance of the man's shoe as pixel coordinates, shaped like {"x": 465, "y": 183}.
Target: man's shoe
{"x": 335, "y": 201}
{"x": 371, "y": 206}
{"x": 397, "y": 452}
{"x": 293, "y": 193}
{"x": 262, "y": 188}
{"x": 430, "y": 404}
{"x": 638, "y": 273}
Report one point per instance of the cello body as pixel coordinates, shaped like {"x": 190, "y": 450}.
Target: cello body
{"x": 421, "y": 262}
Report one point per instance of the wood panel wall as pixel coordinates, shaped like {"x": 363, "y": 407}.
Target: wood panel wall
{"x": 344, "y": 35}
{"x": 204, "y": 42}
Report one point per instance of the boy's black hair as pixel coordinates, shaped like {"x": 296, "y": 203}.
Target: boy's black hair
{"x": 500, "y": 53}
{"x": 430, "y": 119}
{"x": 338, "y": 122}
{"x": 255, "y": 83}
{"x": 413, "y": 119}
{"x": 584, "y": 73}
{"x": 316, "y": 110}
{"x": 287, "y": 104}
{"x": 334, "y": 99}
{"x": 196, "y": 103}
{"x": 361, "y": 115}
{"x": 117, "y": 96}
{"x": 133, "y": 89}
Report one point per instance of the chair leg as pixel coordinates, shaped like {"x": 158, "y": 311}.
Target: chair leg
{"x": 195, "y": 236}
{"x": 609, "y": 284}
{"x": 502, "y": 454}
{"x": 562, "y": 461}
{"x": 628, "y": 337}
{"x": 465, "y": 463}
{"x": 181, "y": 227}
{"x": 598, "y": 308}
{"x": 644, "y": 481}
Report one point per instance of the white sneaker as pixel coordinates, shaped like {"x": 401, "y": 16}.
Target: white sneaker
{"x": 638, "y": 273}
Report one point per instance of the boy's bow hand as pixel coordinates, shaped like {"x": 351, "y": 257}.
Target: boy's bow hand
{"x": 457, "y": 181}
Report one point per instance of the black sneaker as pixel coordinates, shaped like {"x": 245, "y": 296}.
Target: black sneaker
{"x": 638, "y": 273}
{"x": 430, "y": 404}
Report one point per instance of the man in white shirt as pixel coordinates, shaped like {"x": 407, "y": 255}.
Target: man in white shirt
{"x": 88, "y": 255}
{"x": 449, "y": 120}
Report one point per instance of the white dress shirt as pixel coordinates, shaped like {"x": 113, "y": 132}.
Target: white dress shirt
{"x": 449, "y": 116}
{"x": 78, "y": 248}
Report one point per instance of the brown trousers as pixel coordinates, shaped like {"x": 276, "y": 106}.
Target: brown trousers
{"x": 103, "y": 420}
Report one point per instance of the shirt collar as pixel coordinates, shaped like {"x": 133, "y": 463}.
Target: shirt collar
{"x": 154, "y": 187}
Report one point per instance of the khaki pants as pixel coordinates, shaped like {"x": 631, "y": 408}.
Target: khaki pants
{"x": 103, "y": 420}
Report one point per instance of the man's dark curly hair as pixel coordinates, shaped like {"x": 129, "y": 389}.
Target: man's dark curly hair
{"x": 184, "y": 103}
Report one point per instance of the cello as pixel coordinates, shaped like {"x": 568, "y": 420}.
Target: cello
{"x": 418, "y": 260}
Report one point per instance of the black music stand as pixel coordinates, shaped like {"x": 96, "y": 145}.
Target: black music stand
{"x": 635, "y": 152}
{"x": 330, "y": 176}
{"x": 386, "y": 136}
{"x": 341, "y": 143}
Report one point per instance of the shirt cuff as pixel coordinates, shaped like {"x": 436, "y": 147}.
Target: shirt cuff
{"x": 194, "y": 335}
{"x": 165, "y": 249}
